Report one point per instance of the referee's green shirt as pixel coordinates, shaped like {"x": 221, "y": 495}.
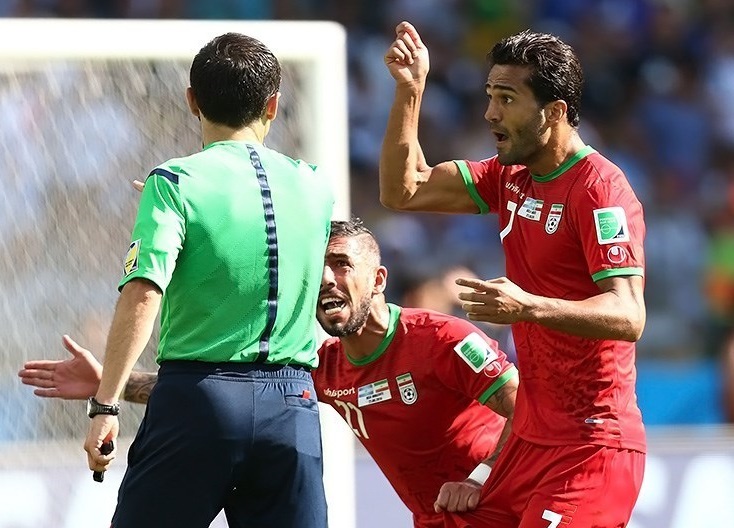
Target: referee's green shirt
{"x": 235, "y": 237}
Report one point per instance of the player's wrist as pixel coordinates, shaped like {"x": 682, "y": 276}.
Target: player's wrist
{"x": 480, "y": 474}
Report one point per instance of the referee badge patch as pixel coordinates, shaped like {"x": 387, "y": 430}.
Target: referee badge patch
{"x": 406, "y": 387}
{"x": 131, "y": 259}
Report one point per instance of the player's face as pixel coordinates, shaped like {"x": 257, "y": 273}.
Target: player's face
{"x": 346, "y": 287}
{"x": 514, "y": 115}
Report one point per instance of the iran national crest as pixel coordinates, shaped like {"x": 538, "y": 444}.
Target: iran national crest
{"x": 406, "y": 387}
{"x": 554, "y": 218}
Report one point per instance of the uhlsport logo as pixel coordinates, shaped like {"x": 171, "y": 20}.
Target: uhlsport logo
{"x": 616, "y": 254}
{"x": 611, "y": 225}
{"x": 338, "y": 393}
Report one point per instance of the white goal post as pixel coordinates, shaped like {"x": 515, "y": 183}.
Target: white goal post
{"x": 88, "y": 106}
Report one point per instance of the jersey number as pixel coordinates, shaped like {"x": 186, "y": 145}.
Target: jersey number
{"x": 350, "y": 410}
{"x": 512, "y": 207}
{"x": 553, "y": 518}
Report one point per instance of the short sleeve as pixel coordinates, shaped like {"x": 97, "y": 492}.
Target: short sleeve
{"x": 470, "y": 362}
{"x": 609, "y": 219}
{"x": 482, "y": 180}
{"x": 158, "y": 235}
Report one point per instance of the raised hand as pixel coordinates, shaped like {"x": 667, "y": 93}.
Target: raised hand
{"x": 76, "y": 378}
{"x": 407, "y": 57}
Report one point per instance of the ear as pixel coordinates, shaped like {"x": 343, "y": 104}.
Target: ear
{"x": 380, "y": 280}
{"x": 271, "y": 107}
{"x": 555, "y": 111}
{"x": 191, "y": 101}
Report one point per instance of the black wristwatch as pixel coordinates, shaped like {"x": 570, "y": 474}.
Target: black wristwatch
{"x": 94, "y": 408}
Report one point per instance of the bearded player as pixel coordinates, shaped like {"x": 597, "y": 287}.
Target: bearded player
{"x": 429, "y": 395}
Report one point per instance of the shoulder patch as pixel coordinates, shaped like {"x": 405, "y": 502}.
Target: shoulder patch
{"x": 475, "y": 352}
{"x": 611, "y": 225}
{"x": 131, "y": 259}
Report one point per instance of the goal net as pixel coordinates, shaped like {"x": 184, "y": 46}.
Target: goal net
{"x": 87, "y": 106}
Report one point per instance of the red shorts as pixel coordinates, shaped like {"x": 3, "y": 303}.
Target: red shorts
{"x": 428, "y": 520}
{"x": 536, "y": 486}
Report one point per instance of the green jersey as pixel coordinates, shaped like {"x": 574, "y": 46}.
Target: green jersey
{"x": 234, "y": 236}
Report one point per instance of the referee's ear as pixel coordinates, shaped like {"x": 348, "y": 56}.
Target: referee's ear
{"x": 191, "y": 101}
{"x": 271, "y": 107}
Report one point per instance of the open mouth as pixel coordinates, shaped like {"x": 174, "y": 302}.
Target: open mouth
{"x": 500, "y": 137}
{"x": 332, "y": 305}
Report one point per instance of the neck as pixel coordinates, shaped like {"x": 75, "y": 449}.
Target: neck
{"x": 560, "y": 148}
{"x": 253, "y": 133}
{"x": 364, "y": 342}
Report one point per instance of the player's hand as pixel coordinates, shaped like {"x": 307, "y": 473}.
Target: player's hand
{"x": 103, "y": 428}
{"x": 498, "y": 301}
{"x": 407, "y": 57}
{"x": 458, "y": 496}
{"x": 138, "y": 185}
{"x": 71, "y": 379}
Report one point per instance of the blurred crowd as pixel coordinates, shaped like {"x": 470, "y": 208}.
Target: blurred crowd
{"x": 659, "y": 102}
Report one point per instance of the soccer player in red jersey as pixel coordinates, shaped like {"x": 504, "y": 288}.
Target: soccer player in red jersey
{"x": 426, "y": 393}
{"x": 572, "y": 231}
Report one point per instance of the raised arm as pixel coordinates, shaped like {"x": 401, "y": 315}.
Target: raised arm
{"x": 407, "y": 182}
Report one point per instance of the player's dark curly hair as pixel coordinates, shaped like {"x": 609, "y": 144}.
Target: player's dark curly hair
{"x": 232, "y": 78}
{"x": 355, "y": 228}
{"x": 556, "y": 72}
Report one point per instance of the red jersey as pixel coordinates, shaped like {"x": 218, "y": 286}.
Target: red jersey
{"x": 416, "y": 403}
{"x": 561, "y": 233}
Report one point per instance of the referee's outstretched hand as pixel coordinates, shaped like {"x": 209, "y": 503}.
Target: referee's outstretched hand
{"x": 76, "y": 378}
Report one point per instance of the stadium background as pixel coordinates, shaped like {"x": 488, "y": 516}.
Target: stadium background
{"x": 659, "y": 102}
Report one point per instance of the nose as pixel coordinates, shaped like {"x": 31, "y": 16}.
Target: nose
{"x": 327, "y": 278}
{"x": 492, "y": 114}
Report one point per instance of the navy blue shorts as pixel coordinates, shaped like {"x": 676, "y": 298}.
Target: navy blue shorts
{"x": 240, "y": 437}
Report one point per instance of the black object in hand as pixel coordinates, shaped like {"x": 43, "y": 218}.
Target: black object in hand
{"x": 106, "y": 448}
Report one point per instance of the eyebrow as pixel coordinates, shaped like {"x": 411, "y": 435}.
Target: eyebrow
{"x": 332, "y": 255}
{"x": 502, "y": 87}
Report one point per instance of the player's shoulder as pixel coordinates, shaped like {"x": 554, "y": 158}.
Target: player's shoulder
{"x": 598, "y": 170}
{"x": 435, "y": 325}
{"x": 329, "y": 345}
{"x": 491, "y": 166}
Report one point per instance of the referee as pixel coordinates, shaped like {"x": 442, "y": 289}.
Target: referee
{"x": 229, "y": 245}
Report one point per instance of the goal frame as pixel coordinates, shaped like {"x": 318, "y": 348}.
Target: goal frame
{"x": 321, "y": 45}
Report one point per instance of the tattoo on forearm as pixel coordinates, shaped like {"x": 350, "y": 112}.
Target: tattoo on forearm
{"x": 138, "y": 387}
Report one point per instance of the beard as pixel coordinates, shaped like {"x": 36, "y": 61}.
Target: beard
{"x": 354, "y": 324}
{"x": 525, "y": 145}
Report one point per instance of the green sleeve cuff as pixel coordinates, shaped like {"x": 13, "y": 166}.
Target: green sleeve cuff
{"x": 506, "y": 376}
{"x": 469, "y": 182}
{"x": 617, "y": 272}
